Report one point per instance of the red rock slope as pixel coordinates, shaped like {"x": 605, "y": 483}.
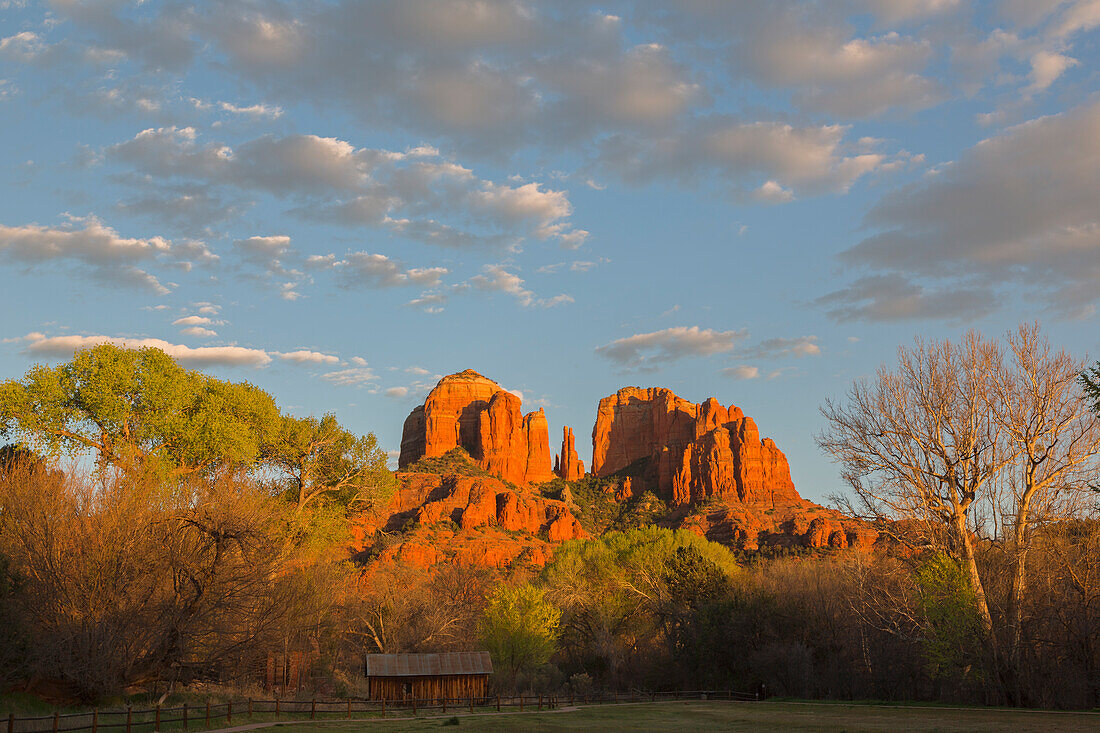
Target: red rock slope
{"x": 467, "y": 520}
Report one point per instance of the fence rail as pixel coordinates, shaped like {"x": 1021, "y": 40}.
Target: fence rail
{"x": 211, "y": 715}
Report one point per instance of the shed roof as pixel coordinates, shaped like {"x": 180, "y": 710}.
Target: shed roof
{"x": 421, "y": 665}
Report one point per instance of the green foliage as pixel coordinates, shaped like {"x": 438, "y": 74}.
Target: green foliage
{"x": 138, "y": 410}
{"x": 626, "y": 594}
{"x": 520, "y": 628}
{"x": 597, "y": 509}
{"x": 455, "y": 461}
{"x": 324, "y": 464}
{"x": 1090, "y": 384}
{"x": 953, "y": 645}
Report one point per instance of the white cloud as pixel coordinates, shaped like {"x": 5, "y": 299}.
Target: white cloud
{"x": 741, "y": 371}
{"x": 412, "y": 193}
{"x": 379, "y": 271}
{"x": 304, "y": 356}
{"x": 396, "y": 392}
{"x": 769, "y": 159}
{"x": 192, "y": 321}
{"x": 1046, "y": 67}
{"x": 353, "y": 377}
{"x": 780, "y": 347}
{"x": 496, "y": 278}
{"x": 645, "y": 350}
{"x": 100, "y": 251}
{"x": 38, "y": 343}
{"x": 264, "y": 249}
{"x": 199, "y": 331}
{"x": 1020, "y": 211}
{"x": 253, "y": 110}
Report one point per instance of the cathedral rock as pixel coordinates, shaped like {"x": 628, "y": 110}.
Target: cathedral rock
{"x": 473, "y": 412}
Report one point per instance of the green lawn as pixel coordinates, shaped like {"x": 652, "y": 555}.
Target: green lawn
{"x": 709, "y": 716}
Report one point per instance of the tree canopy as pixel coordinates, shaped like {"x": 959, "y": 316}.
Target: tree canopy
{"x": 321, "y": 461}
{"x": 137, "y": 409}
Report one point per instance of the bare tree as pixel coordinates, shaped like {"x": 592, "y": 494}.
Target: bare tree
{"x": 1053, "y": 438}
{"x": 983, "y": 438}
{"x": 920, "y": 443}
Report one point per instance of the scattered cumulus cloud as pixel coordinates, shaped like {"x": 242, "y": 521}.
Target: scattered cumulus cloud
{"x": 351, "y": 377}
{"x": 647, "y": 350}
{"x": 93, "y": 248}
{"x": 1018, "y": 211}
{"x": 305, "y": 356}
{"x": 741, "y": 371}
{"x": 38, "y": 344}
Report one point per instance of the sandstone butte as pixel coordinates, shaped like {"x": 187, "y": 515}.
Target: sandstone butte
{"x": 469, "y": 411}
{"x": 709, "y": 463}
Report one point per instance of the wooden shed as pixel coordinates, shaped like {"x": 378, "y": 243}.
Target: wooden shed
{"x": 453, "y": 675}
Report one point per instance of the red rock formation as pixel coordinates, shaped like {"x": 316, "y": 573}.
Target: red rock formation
{"x": 496, "y": 525}
{"x": 568, "y": 466}
{"x": 695, "y": 452}
{"x": 470, "y": 411}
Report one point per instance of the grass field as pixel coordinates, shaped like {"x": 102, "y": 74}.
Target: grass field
{"x": 708, "y": 716}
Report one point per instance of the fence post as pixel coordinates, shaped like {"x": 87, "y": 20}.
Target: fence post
{"x": 471, "y": 704}
{"x": 185, "y": 716}
{"x": 540, "y": 701}
{"x": 56, "y": 718}
{"x": 11, "y": 722}
{"x": 129, "y": 717}
{"x": 498, "y": 703}
{"x": 95, "y": 719}
{"x": 521, "y": 703}
{"x": 349, "y": 708}
{"x": 207, "y": 714}
{"x": 276, "y": 706}
{"x": 250, "y": 708}
{"x": 229, "y": 712}
{"x": 444, "y": 703}
{"x": 313, "y": 709}
{"x": 156, "y": 725}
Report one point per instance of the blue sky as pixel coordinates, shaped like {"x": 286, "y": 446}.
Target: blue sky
{"x": 341, "y": 202}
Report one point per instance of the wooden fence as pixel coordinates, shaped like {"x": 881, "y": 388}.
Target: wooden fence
{"x": 223, "y": 715}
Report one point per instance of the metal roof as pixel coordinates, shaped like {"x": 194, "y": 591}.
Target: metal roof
{"x": 424, "y": 665}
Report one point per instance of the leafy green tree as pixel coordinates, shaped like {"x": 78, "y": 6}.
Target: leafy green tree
{"x": 625, "y": 596}
{"x": 953, "y": 644}
{"x": 324, "y": 463}
{"x": 520, "y": 628}
{"x": 138, "y": 410}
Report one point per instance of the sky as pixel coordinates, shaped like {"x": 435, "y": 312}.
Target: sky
{"x": 342, "y": 201}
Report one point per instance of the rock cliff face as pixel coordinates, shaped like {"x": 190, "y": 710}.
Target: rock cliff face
{"x": 706, "y": 465}
{"x": 692, "y": 452}
{"x": 568, "y": 465}
{"x": 470, "y": 411}
{"x": 709, "y": 464}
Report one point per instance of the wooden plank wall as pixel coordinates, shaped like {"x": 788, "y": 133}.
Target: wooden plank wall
{"x": 459, "y": 686}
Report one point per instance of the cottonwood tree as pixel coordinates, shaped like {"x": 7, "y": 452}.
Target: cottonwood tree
{"x": 322, "y": 460}
{"x": 138, "y": 410}
{"x": 520, "y": 628}
{"x": 960, "y": 427}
